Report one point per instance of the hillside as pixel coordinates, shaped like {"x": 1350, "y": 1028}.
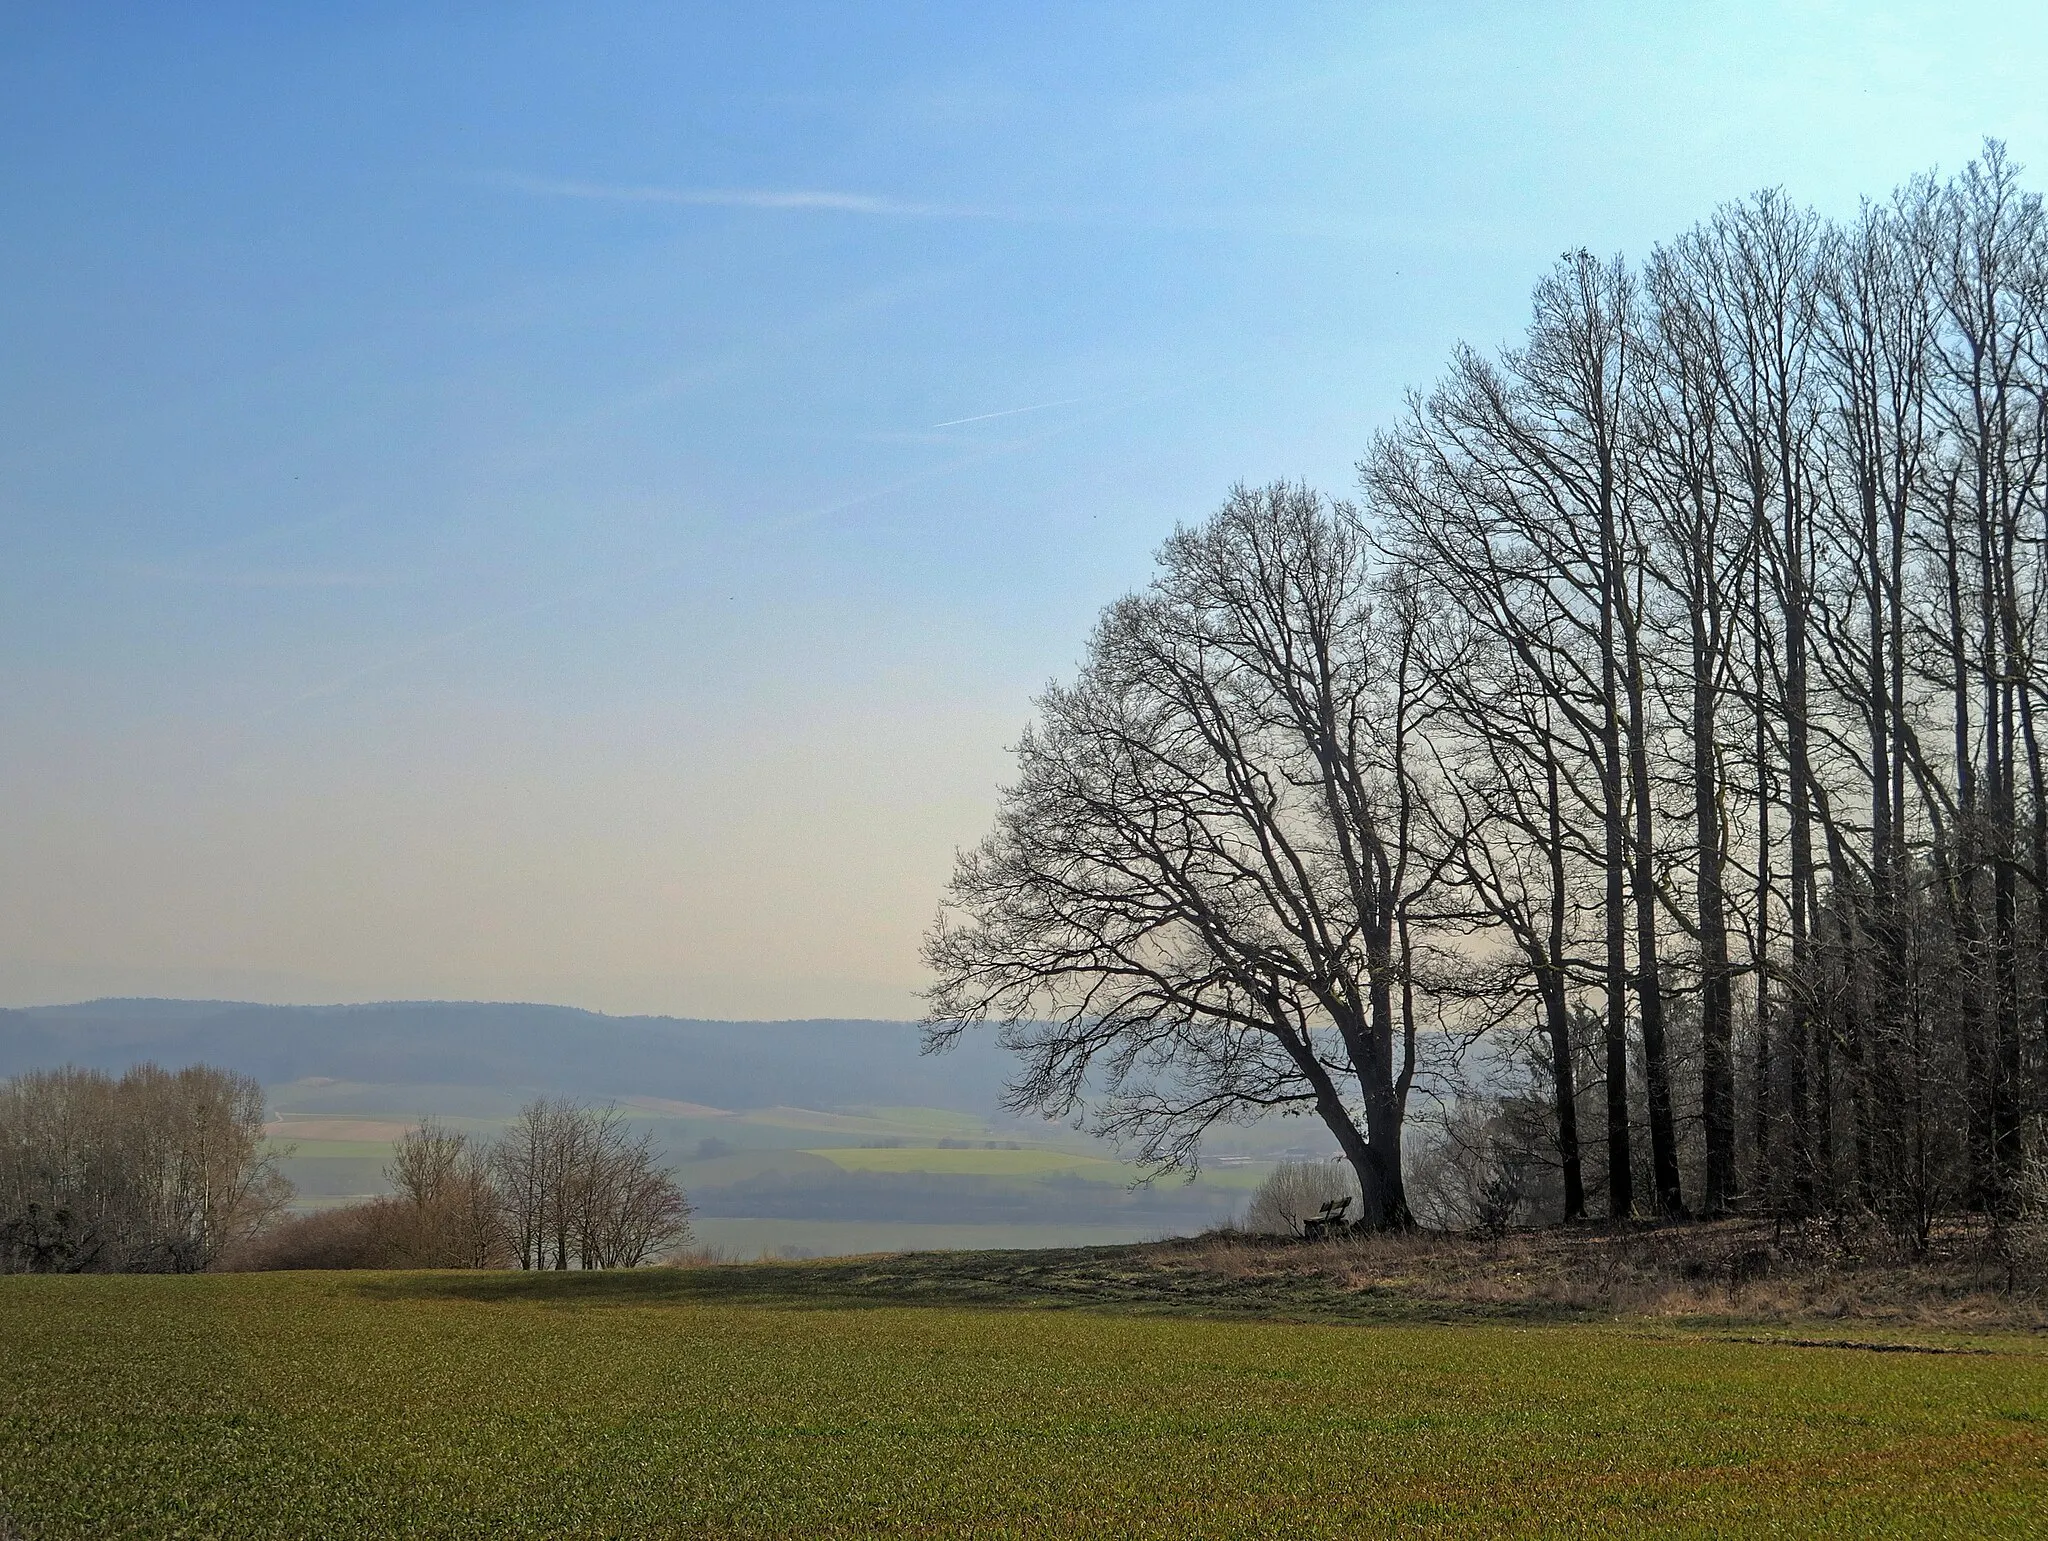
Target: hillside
{"x": 792, "y": 1138}
{"x": 557, "y": 1049}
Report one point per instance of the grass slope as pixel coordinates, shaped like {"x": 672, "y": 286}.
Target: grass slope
{"x": 891, "y": 1396}
{"x": 735, "y": 1237}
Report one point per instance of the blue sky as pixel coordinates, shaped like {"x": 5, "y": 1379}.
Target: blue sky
{"x": 571, "y": 503}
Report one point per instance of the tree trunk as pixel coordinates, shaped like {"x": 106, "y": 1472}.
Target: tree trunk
{"x": 1649, "y": 980}
{"x": 1557, "y": 1011}
{"x": 1717, "y": 1002}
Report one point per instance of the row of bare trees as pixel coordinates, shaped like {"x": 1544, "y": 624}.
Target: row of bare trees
{"x": 576, "y": 1189}
{"x": 565, "y": 1186}
{"x": 1666, "y": 713}
{"x": 156, "y": 1171}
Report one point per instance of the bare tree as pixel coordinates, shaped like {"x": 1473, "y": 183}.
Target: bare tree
{"x": 522, "y": 1168}
{"x": 1698, "y": 548}
{"x": 1189, "y": 910}
{"x": 631, "y": 1208}
{"x": 453, "y": 1215}
{"x": 156, "y": 1171}
{"x": 577, "y": 1190}
{"x": 1509, "y": 491}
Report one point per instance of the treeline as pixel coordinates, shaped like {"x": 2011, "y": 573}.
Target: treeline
{"x": 157, "y": 1171}
{"x": 565, "y": 1186}
{"x": 1663, "y": 718}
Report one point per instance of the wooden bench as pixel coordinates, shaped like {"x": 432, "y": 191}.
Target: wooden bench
{"x": 1328, "y": 1222}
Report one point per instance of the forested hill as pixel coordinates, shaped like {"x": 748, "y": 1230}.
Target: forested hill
{"x": 557, "y": 1049}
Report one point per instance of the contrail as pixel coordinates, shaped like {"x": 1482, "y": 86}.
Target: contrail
{"x": 1010, "y": 412}
{"x": 749, "y": 198}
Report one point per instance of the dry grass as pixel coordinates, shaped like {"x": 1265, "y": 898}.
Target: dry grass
{"x": 1749, "y": 1270}
{"x": 1730, "y": 1272}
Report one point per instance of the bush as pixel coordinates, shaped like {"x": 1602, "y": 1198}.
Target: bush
{"x": 1480, "y": 1172}
{"x": 1294, "y": 1192}
{"x": 367, "y": 1235}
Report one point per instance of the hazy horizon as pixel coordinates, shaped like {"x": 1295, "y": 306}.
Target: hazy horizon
{"x": 570, "y": 506}
{"x": 391, "y": 1001}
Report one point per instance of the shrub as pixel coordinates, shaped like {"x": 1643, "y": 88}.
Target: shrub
{"x": 367, "y": 1235}
{"x": 1294, "y": 1192}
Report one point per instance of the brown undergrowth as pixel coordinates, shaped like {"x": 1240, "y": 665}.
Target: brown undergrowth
{"x": 1724, "y": 1274}
{"x": 1742, "y": 1270}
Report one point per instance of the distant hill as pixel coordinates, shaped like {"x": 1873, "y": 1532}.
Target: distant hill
{"x": 763, "y": 1120}
{"x": 555, "y": 1049}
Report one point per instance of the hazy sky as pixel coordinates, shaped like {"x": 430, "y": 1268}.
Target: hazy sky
{"x": 570, "y": 503}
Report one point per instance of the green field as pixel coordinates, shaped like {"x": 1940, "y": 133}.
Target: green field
{"x": 972, "y": 1162}
{"x": 798, "y": 1182}
{"x": 798, "y": 1400}
{"x": 738, "y": 1237}
{"x": 1026, "y": 1162}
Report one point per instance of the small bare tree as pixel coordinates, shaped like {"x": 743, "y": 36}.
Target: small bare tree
{"x": 1293, "y": 1193}
{"x": 523, "y": 1169}
{"x": 452, "y": 1214}
{"x": 632, "y": 1208}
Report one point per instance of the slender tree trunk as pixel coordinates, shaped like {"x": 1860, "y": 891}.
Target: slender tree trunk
{"x": 1768, "y": 1178}
{"x": 2002, "y": 819}
{"x": 1556, "y": 1008}
{"x": 1717, "y": 1005}
{"x": 1800, "y": 882}
{"x": 1649, "y": 980}
{"x": 1958, "y": 870}
{"x": 1620, "y": 1163}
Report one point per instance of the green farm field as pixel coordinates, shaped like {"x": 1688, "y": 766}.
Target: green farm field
{"x": 949, "y": 1395}
{"x": 796, "y": 1182}
{"x": 979, "y": 1163}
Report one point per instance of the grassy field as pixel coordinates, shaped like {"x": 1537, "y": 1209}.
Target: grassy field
{"x": 795, "y": 1182}
{"x": 1024, "y": 1162}
{"x": 943, "y": 1395}
{"x": 974, "y": 1162}
{"x": 736, "y": 1237}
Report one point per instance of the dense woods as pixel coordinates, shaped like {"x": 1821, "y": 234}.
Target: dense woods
{"x": 156, "y": 1171}
{"x": 1650, "y": 755}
